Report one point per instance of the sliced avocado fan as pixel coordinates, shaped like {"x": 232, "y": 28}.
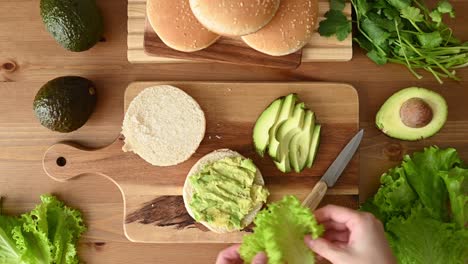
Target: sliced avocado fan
{"x": 287, "y": 129}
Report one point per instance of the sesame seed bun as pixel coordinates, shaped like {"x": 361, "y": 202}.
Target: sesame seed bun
{"x": 177, "y": 27}
{"x": 234, "y": 17}
{"x": 163, "y": 125}
{"x": 289, "y": 31}
{"x": 188, "y": 189}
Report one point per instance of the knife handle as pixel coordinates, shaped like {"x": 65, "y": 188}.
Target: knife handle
{"x": 315, "y": 196}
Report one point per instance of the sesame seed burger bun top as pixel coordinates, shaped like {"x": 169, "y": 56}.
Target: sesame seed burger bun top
{"x": 289, "y": 31}
{"x": 177, "y": 27}
{"x": 234, "y": 17}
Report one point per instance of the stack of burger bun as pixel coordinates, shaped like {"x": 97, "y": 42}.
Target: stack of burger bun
{"x": 273, "y": 27}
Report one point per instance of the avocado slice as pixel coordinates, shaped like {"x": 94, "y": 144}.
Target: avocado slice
{"x": 286, "y": 111}
{"x": 75, "y": 24}
{"x": 65, "y": 104}
{"x": 288, "y": 129}
{"x": 284, "y": 165}
{"x": 262, "y": 127}
{"x": 412, "y": 114}
{"x": 300, "y": 144}
{"x": 314, "y": 146}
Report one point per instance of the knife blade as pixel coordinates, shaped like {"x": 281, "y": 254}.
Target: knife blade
{"x": 333, "y": 172}
{"x": 340, "y": 163}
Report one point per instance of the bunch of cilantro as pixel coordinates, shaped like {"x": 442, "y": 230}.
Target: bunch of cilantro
{"x": 47, "y": 234}
{"x": 402, "y": 31}
{"x": 424, "y": 207}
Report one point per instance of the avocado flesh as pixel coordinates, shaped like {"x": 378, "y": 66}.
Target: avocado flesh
{"x": 286, "y": 111}
{"x": 284, "y": 165}
{"x": 262, "y": 127}
{"x": 65, "y": 104}
{"x": 288, "y": 129}
{"x": 314, "y": 146}
{"x": 388, "y": 118}
{"x": 300, "y": 144}
{"x": 75, "y": 24}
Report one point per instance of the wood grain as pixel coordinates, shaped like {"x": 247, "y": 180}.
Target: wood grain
{"x": 226, "y": 50}
{"x": 38, "y": 59}
{"x": 314, "y": 198}
{"x": 231, "y": 110}
{"x": 152, "y": 50}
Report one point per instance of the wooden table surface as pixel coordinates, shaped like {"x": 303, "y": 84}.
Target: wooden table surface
{"x": 29, "y": 57}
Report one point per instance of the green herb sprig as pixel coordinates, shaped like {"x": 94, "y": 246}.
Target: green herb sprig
{"x": 406, "y": 32}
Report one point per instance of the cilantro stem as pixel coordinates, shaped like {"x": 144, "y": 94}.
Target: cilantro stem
{"x": 404, "y": 53}
{"x": 435, "y": 74}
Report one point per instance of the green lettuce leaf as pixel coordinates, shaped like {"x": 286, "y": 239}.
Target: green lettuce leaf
{"x": 394, "y": 198}
{"x": 423, "y": 205}
{"x": 47, "y": 234}
{"x": 457, "y": 188}
{"x": 279, "y": 232}
{"x": 10, "y": 253}
{"x": 422, "y": 239}
{"x": 422, "y": 171}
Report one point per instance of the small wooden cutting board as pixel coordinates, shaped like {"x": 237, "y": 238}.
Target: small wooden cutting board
{"x": 319, "y": 49}
{"x": 225, "y": 49}
{"x": 153, "y": 205}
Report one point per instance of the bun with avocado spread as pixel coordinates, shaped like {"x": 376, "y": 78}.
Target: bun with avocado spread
{"x": 224, "y": 191}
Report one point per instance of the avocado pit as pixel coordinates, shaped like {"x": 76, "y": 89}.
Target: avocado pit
{"x": 416, "y": 113}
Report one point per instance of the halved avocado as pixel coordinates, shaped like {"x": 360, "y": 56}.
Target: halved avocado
{"x": 262, "y": 127}
{"x": 412, "y": 114}
{"x": 285, "y": 113}
{"x": 300, "y": 144}
{"x": 288, "y": 129}
{"x": 314, "y": 146}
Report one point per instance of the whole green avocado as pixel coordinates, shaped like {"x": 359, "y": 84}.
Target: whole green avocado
{"x": 65, "y": 104}
{"x": 75, "y": 24}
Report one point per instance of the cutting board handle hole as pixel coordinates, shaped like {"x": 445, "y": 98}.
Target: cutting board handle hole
{"x": 61, "y": 161}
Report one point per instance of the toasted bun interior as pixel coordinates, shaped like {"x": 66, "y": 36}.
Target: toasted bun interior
{"x": 289, "y": 31}
{"x": 163, "y": 125}
{"x": 234, "y": 17}
{"x": 188, "y": 189}
{"x": 177, "y": 27}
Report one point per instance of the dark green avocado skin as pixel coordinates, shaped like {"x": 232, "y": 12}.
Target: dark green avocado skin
{"x": 75, "y": 24}
{"x": 65, "y": 104}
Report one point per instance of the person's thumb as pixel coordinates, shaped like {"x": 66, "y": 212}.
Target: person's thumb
{"x": 325, "y": 249}
{"x": 260, "y": 258}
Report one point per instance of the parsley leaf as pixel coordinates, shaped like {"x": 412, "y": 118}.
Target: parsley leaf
{"x": 378, "y": 35}
{"x": 444, "y": 7}
{"x": 399, "y": 4}
{"x": 337, "y": 5}
{"x": 412, "y": 14}
{"x": 377, "y": 57}
{"x": 335, "y": 23}
{"x": 430, "y": 40}
{"x": 436, "y": 16}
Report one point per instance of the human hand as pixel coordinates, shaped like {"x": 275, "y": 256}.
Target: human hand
{"x": 231, "y": 255}
{"x": 351, "y": 237}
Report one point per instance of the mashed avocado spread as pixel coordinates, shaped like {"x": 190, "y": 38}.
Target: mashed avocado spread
{"x": 225, "y": 192}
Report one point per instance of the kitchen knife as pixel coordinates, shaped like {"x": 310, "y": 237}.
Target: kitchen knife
{"x": 333, "y": 173}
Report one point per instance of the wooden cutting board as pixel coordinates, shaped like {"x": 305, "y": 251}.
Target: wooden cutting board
{"x": 153, "y": 205}
{"x": 319, "y": 49}
{"x": 226, "y": 49}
